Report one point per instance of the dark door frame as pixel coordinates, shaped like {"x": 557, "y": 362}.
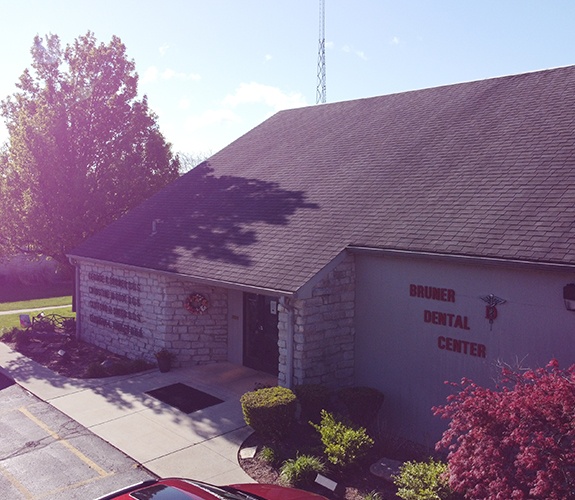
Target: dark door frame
{"x": 260, "y": 333}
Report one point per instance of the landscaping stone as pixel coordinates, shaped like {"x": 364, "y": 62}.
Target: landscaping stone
{"x": 386, "y": 468}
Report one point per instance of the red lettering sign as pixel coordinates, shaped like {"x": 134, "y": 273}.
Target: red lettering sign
{"x": 432, "y": 293}
{"x": 461, "y": 346}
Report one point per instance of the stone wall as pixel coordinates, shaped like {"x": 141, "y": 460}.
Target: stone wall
{"x": 323, "y": 331}
{"x": 137, "y": 313}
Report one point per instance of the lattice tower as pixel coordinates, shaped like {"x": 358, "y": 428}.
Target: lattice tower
{"x": 320, "y": 95}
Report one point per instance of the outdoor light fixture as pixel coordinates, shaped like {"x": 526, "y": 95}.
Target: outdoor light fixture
{"x": 569, "y": 296}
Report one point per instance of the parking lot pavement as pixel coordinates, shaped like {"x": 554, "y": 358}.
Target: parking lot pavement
{"x": 45, "y": 454}
{"x": 5, "y": 381}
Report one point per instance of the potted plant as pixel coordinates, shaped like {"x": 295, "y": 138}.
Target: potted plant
{"x": 165, "y": 359}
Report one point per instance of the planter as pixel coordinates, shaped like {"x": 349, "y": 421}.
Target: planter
{"x": 164, "y": 358}
{"x": 164, "y": 364}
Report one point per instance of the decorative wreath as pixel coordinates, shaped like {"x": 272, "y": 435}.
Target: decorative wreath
{"x": 196, "y": 303}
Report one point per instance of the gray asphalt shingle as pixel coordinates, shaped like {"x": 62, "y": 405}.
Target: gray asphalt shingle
{"x": 483, "y": 169}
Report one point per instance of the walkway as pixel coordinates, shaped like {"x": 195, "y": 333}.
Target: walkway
{"x": 36, "y": 309}
{"x": 202, "y": 445}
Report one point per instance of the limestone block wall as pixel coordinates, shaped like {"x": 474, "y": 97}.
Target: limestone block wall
{"x": 137, "y": 313}
{"x": 323, "y": 331}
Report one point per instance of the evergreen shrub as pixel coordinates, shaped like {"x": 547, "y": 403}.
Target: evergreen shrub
{"x": 362, "y": 403}
{"x": 312, "y": 399}
{"x": 270, "y": 411}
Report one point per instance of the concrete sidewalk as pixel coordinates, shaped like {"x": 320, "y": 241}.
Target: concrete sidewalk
{"x": 36, "y": 309}
{"x": 202, "y": 445}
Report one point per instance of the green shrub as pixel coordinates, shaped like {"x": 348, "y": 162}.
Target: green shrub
{"x": 269, "y": 455}
{"x": 69, "y": 325}
{"x": 362, "y": 403}
{"x": 312, "y": 399}
{"x": 423, "y": 481}
{"x": 373, "y": 495}
{"x": 22, "y": 339}
{"x": 270, "y": 411}
{"x": 343, "y": 445}
{"x": 301, "y": 471}
{"x": 10, "y": 335}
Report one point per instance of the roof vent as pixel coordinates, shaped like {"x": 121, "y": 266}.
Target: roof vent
{"x": 155, "y": 226}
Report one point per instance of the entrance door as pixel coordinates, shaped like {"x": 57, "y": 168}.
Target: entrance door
{"x": 261, "y": 333}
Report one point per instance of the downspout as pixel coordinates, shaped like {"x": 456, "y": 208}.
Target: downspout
{"x": 76, "y": 296}
{"x": 285, "y": 303}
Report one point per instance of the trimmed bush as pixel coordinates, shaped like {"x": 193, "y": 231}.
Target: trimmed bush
{"x": 270, "y": 411}
{"x": 423, "y": 481}
{"x": 344, "y": 446}
{"x": 301, "y": 471}
{"x": 312, "y": 399}
{"x": 362, "y": 403}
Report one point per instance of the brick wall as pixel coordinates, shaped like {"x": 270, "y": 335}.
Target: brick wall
{"x": 137, "y": 313}
{"x": 323, "y": 331}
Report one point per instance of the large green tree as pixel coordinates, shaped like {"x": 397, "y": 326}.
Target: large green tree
{"x": 83, "y": 148}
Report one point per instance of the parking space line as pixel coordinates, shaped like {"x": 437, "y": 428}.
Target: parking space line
{"x": 17, "y": 484}
{"x": 64, "y": 442}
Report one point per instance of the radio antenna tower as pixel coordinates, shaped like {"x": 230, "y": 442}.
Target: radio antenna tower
{"x": 320, "y": 95}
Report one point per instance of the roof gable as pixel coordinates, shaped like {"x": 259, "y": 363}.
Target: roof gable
{"x": 484, "y": 169}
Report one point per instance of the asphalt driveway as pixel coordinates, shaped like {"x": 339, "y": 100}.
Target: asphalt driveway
{"x": 45, "y": 454}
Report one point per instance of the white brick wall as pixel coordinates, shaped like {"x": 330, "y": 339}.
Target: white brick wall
{"x": 136, "y": 314}
{"x": 323, "y": 331}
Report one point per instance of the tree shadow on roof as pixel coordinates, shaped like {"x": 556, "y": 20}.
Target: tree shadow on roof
{"x": 201, "y": 216}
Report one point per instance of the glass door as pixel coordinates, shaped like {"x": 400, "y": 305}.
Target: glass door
{"x": 261, "y": 333}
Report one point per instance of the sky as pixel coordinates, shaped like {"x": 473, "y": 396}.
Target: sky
{"x": 215, "y": 69}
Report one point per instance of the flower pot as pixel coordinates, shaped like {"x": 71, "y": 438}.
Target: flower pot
{"x": 164, "y": 364}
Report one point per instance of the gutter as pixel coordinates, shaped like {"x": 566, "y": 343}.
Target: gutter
{"x": 465, "y": 259}
{"x": 273, "y": 292}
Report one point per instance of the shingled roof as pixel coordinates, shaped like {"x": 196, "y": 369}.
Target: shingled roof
{"x": 483, "y": 169}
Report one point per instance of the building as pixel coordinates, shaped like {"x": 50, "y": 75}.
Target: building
{"x": 397, "y": 241}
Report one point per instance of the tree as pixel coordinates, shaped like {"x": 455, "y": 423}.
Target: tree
{"x": 189, "y": 161}
{"x": 517, "y": 442}
{"x": 83, "y": 149}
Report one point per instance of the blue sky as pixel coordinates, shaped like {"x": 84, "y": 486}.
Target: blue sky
{"x": 214, "y": 69}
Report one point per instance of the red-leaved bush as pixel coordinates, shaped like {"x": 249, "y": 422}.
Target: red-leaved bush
{"x": 516, "y": 442}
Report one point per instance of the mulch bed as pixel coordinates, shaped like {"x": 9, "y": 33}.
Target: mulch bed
{"x": 354, "y": 484}
{"x": 64, "y": 354}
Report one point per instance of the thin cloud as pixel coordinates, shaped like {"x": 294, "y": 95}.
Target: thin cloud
{"x": 184, "y": 103}
{"x": 273, "y": 97}
{"x": 395, "y": 40}
{"x": 153, "y": 74}
{"x": 170, "y": 74}
{"x": 163, "y": 49}
{"x": 211, "y": 117}
{"x": 359, "y": 53}
{"x": 150, "y": 75}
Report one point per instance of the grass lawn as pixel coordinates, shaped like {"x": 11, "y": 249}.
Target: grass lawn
{"x": 13, "y": 297}
{"x": 9, "y": 321}
{"x": 33, "y": 304}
